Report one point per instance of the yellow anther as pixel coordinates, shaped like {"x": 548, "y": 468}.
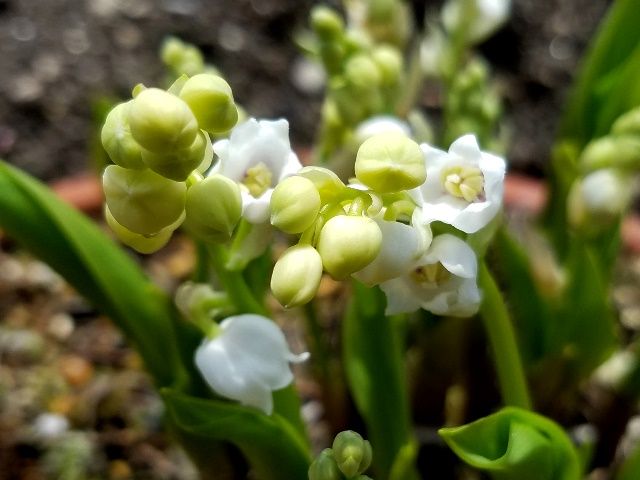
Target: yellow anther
{"x": 463, "y": 182}
{"x": 257, "y": 179}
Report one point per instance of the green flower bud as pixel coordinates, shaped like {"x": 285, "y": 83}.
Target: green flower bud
{"x": 347, "y": 244}
{"x": 295, "y": 204}
{"x": 296, "y": 276}
{"x": 116, "y": 138}
{"x": 389, "y": 62}
{"x": 178, "y": 164}
{"x": 327, "y": 23}
{"x": 141, "y": 200}
{"x": 628, "y": 123}
{"x": 214, "y": 208}
{"x": 327, "y": 183}
{"x": 182, "y": 57}
{"x": 324, "y": 467}
{"x": 211, "y": 101}
{"x": 390, "y": 162}
{"x": 352, "y": 453}
{"x": 140, "y": 243}
{"x": 622, "y": 151}
{"x": 362, "y": 72}
{"x": 161, "y": 122}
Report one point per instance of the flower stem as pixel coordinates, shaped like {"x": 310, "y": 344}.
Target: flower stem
{"x": 502, "y": 337}
{"x": 234, "y": 283}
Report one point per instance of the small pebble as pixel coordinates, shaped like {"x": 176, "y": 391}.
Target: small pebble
{"x": 76, "y": 370}
{"x": 61, "y": 326}
{"x": 49, "y": 426}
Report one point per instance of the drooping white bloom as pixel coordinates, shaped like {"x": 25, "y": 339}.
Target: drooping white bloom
{"x": 606, "y": 191}
{"x": 247, "y": 360}
{"x": 443, "y": 281}
{"x": 257, "y": 155}
{"x": 464, "y": 186}
{"x": 482, "y": 21}
{"x": 402, "y": 246}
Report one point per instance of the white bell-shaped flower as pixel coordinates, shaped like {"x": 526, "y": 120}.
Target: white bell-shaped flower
{"x": 257, "y": 155}
{"x": 464, "y": 186}
{"x": 247, "y": 360}
{"x": 443, "y": 281}
{"x": 402, "y": 246}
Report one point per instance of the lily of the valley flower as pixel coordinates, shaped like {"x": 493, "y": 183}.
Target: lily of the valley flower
{"x": 464, "y": 186}
{"x": 443, "y": 281}
{"x": 402, "y": 246}
{"x": 257, "y": 155}
{"x": 247, "y": 360}
{"x": 480, "y": 18}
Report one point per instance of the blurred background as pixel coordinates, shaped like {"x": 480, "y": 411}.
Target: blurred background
{"x": 59, "y": 59}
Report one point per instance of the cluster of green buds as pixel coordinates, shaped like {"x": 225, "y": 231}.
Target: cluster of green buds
{"x": 160, "y": 146}
{"x": 182, "y": 58}
{"x": 349, "y": 457}
{"x": 337, "y": 223}
{"x": 364, "y": 76}
{"x": 606, "y": 166}
{"x": 472, "y": 105}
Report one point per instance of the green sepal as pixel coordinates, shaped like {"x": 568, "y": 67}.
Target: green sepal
{"x": 515, "y": 444}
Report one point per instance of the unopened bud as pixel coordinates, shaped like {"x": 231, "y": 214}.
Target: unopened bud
{"x": 327, "y": 183}
{"x": 347, "y": 244}
{"x": 295, "y": 204}
{"x": 390, "y": 162}
{"x": 117, "y": 140}
{"x": 181, "y": 57}
{"x": 327, "y": 23}
{"x": 628, "y": 123}
{"x": 296, "y": 276}
{"x": 352, "y": 453}
{"x": 362, "y": 72}
{"x": 141, "y": 200}
{"x": 324, "y": 467}
{"x": 161, "y": 122}
{"x": 620, "y": 151}
{"x": 140, "y": 243}
{"x": 214, "y": 208}
{"x": 211, "y": 100}
{"x": 178, "y": 164}
{"x": 389, "y": 62}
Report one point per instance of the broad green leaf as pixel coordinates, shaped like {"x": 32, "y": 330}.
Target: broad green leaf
{"x": 630, "y": 469}
{"x": 272, "y": 446}
{"x": 96, "y": 268}
{"x": 585, "y": 324}
{"x": 530, "y": 309}
{"x": 374, "y": 365}
{"x": 602, "y": 74}
{"x": 515, "y": 444}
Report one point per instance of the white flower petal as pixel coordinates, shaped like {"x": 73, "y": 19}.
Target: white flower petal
{"x": 400, "y": 297}
{"x": 247, "y": 360}
{"x": 454, "y": 254}
{"x": 256, "y": 210}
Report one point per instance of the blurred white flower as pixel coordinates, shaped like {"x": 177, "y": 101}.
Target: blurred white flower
{"x": 402, "y": 246}
{"x": 484, "y": 18}
{"x": 247, "y": 360}
{"x": 443, "y": 281}
{"x": 464, "y": 186}
{"x": 257, "y": 155}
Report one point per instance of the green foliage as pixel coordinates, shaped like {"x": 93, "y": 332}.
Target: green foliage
{"x": 515, "y": 444}
{"x": 272, "y": 446}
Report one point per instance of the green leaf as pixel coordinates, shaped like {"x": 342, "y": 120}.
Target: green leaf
{"x": 604, "y": 70}
{"x": 515, "y": 444}
{"x": 374, "y": 364}
{"x": 95, "y": 267}
{"x": 630, "y": 469}
{"x": 272, "y": 446}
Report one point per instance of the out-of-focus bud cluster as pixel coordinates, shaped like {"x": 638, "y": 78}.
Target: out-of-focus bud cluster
{"x": 604, "y": 187}
{"x": 472, "y": 105}
{"x": 349, "y": 457}
{"x": 160, "y": 145}
{"x": 364, "y": 65}
{"x": 377, "y": 228}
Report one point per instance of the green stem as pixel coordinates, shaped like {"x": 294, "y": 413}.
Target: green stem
{"x": 502, "y": 337}
{"x": 234, "y": 283}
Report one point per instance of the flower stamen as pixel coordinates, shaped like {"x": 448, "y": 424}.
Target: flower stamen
{"x": 463, "y": 182}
